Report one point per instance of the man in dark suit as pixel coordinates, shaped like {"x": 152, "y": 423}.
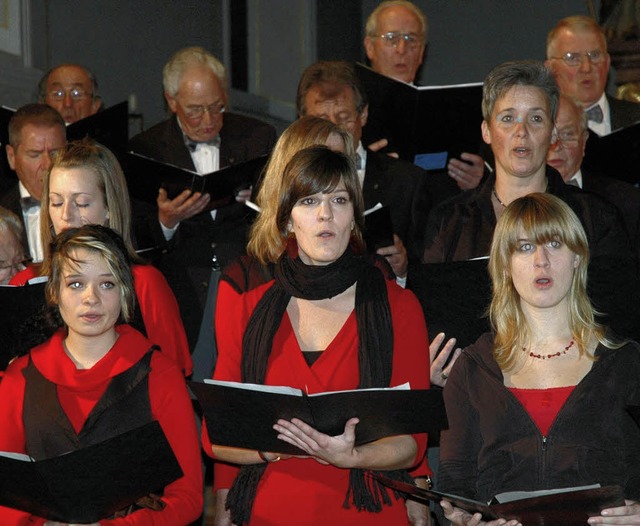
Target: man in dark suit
{"x": 397, "y": 32}
{"x": 36, "y": 131}
{"x": 577, "y": 56}
{"x": 200, "y": 136}
{"x": 566, "y": 155}
{"x": 331, "y": 90}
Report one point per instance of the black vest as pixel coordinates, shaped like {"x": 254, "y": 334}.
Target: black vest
{"x": 124, "y": 406}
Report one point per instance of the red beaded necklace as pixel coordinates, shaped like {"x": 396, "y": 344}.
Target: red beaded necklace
{"x": 545, "y": 356}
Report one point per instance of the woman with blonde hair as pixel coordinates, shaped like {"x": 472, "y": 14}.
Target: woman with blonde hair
{"x": 97, "y": 378}
{"x": 85, "y": 185}
{"x": 541, "y": 402}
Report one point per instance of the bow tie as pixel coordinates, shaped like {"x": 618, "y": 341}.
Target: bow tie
{"x": 595, "y": 114}
{"x": 27, "y": 203}
{"x": 193, "y": 145}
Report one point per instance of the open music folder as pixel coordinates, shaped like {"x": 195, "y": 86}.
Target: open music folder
{"x": 565, "y": 506}
{"x": 615, "y": 155}
{"x": 433, "y": 123}
{"x": 91, "y": 483}
{"x": 145, "y": 176}
{"x": 109, "y": 127}
{"x": 20, "y": 307}
{"x": 242, "y": 415}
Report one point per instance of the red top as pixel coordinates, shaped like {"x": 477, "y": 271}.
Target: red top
{"x": 543, "y": 404}
{"x": 79, "y": 390}
{"x": 159, "y": 308}
{"x": 302, "y": 491}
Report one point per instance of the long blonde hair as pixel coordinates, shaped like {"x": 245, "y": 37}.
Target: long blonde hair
{"x": 265, "y": 241}
{"x": 87, "y": 154}
{"x": 543, "y": 217}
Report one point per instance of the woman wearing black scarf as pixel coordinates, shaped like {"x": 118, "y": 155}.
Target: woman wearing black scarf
{"x": 328, "y": 321}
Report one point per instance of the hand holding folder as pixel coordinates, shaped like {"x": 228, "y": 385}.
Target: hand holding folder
{"x": 91, "y": 483}
{"x": 145, "y": 176}
{"x": 566, "y": 506}
{"x": 243, "y": 415}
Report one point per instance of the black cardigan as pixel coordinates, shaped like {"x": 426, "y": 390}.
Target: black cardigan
{"x": 493, "y": 445}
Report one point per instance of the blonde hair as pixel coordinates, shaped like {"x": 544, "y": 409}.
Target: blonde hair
{"x": 265, "y": 241}
{"x": 99, "y": 240}
{"x": 543, "y": 217}
{"x": 89, "y": 155}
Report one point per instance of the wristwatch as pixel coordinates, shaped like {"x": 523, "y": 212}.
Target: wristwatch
{"x": 427, "y": 479}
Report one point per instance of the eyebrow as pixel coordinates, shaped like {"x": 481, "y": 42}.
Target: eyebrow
{"x": 73, "y": 84}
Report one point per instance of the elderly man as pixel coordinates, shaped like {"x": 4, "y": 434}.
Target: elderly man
{"x": 200, "y": 136}
{"x": 396, "y": 38}
{"x": 566, "y": 155}
{"x": 12, "y": 246}
{"x": 36, "y": 131}
{"x": 72, "y": 90}
{"x": 577, "y": 56}
{"x": 331, "y": 90}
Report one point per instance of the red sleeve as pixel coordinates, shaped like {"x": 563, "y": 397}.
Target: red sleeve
{"x": 230, "y": 322}
{"x": 410, "y": 352}
{"x": 161, "y": 315}
{"x": 171, "y": 406}
{"x": 23, "y": 276}
{"x": 12, "y": 432}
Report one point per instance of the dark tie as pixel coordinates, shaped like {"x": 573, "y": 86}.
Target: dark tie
{"x": 192, "y": 145}
{"x": 28, "y": 203}
{"x": 595, "y": 114}
{"x": 359, "y": 162}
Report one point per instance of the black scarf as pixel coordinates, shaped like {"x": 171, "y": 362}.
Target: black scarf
{"x": 375, "y": 353}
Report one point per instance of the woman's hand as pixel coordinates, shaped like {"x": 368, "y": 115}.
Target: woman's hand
{"x": 440, "y": 373}
{"x": 627, "y": 514}
{"x": 339, "y": 451}
{"x": 460, "y": 517}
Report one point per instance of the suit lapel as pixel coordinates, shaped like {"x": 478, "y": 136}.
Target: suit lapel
{"x": 173, "y": 141}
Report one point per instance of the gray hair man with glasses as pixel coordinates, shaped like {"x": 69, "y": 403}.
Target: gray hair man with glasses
{"x": 72, "y": 90}
{"x": 397, "y": 34}
{"x": 566, "y": 155}
{"x": 201, "y": 136}
{"x": 577, "y": 56}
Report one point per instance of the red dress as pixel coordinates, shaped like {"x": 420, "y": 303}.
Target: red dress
{"x": 302, "y": 491}
{"x": 159, "y": 308}
{"x": 78, "y": 392}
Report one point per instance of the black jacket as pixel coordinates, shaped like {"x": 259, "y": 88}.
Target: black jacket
{"x": 493, "y": 445}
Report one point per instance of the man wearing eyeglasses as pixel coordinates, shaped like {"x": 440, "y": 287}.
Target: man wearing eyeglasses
{"x": 203, "y": 137}
{"x": 566, "y": 155}
{"x": 577, "y": 56}
{"x": 397, "y": 34}
{"x": 72, "y": 90}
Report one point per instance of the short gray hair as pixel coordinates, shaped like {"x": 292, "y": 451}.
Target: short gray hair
{"x": 9, "y": 222}
{"x": 371, "y": 27}
{"x": 518, "y": 73}
{"x": 186, "y": 58}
